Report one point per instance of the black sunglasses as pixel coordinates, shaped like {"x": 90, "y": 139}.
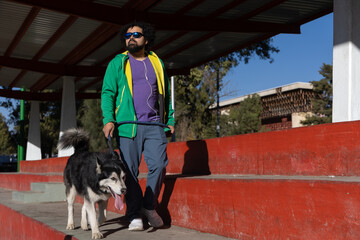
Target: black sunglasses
{"x": 134, "y": 34}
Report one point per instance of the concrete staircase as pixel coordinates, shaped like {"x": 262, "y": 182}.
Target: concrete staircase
{"x": 301, "y": 183}
{"x": 41, "y": 192}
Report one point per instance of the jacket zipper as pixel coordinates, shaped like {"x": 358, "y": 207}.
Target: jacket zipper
{"x": 122, "y": 94}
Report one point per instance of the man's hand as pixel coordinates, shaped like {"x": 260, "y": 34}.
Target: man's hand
{"x": 108, "y": 129}
{"x": 172, "y": 129}
{"x": 171, "y": 132}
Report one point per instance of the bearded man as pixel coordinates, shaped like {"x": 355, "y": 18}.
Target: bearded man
{"x": 136, "y": 89}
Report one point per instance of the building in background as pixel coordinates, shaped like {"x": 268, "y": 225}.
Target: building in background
{"x": 282, "y": 107}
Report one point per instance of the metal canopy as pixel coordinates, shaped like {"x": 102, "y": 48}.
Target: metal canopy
{"x": 43, "y": 40}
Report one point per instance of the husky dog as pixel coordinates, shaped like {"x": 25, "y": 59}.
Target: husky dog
{"x": 94, "y": 176}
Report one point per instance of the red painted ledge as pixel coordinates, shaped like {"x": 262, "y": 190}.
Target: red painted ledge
{"x": 327, "y": 149}
{"x": 48, "y": 165}
{"x": 22, "y": 182}
{"x": 261, "y": 208}
{"x": 16, "y": 226}
{"x": 264, "y": 209}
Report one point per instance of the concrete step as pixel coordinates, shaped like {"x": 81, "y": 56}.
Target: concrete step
{"x": 260, "y": 206}
{"x": 41, "y": 192}
{"x": 264, "y": 207}
{"x": 37, "y": 221}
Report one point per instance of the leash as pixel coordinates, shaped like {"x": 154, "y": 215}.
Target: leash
{"x": 110, "y": 145}
{"x": 143, "y": 123}
{"x": 114, "y": 154}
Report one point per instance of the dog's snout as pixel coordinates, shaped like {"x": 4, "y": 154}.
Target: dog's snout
{"x": 123, "y": 190}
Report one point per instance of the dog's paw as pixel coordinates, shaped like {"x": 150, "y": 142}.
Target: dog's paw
{"x": 97, "y": 235}
{"x": 70, "y": 227}
{"x": 84, "y": 225}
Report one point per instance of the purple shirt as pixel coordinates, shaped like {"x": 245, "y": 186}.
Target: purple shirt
{"x": 145, "y": 90}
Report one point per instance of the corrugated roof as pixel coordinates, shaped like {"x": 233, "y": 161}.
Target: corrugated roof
{"x": 70, "y": 39}
{"x": 11, "y": 17}
{"x": 43, "y": 27}
{"x": 73, "y": 33}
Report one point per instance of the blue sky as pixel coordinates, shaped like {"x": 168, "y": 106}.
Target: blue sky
{"x": 299, "y": 60}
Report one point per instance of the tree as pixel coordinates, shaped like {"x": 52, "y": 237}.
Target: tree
{"x": 244, "y": 118}
{"x": 6, "y": 145}
{"x": 322, "y": 103}
{"x": 50, "y": 113}
{"x": 49, "y": 124}
{"x": 90, "y": 118}
{"x": 196, "y": 93}
{"x": 13, "y": 107}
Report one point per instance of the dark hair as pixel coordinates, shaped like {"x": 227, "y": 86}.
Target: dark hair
{"x": 148, "y": 32}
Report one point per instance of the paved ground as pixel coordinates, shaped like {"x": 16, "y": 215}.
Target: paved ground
{"x": 55, "y": 216}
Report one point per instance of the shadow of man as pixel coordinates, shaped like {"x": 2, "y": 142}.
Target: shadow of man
{"x": 196, "y": 159}
{"x": 162, "y": 209}
{"x": 196, "y": 163}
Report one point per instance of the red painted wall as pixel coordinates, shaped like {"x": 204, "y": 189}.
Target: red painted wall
{"x": 22, "y": 182}
{"x": 15, "y": 226}
{"x": 328, "y": 149}
{"x": 265, "y": 209}
{"x": 44, "y": 166}
{"x": 262, "y": 209}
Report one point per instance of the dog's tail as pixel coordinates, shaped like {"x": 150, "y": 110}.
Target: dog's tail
{"x": 77, "y": 138}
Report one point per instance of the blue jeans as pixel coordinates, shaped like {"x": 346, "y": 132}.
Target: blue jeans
{"x": 151, "y": 142}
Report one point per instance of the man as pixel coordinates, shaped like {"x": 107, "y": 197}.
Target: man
{"x": 136, "y": 88}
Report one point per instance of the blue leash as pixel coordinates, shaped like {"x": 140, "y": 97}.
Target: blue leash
{"x": 144, "y": 123}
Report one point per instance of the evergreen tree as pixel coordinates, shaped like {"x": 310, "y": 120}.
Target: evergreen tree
{"x": 13, "y": 107}
{"x": 194, "y": 95}
{"x": 322, "y": 103}
{"x": 90, "y": 118}
{"x": 6, "y": 145}
{"x": 49, "y": 124}
{"x": 50, "y": 113}
{"x": 244, "y": 118}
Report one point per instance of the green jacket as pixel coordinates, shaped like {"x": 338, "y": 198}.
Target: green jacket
{"x": 117, "y": 94}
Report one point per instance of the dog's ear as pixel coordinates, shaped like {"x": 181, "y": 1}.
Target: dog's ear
{"x": 98, "y": 167}
{"x": 116, "y": 155}
{"x": 118, "y": 159}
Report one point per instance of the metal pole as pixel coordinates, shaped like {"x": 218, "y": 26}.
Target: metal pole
{"x": 21, "y": 137}
{"x": 173, "y": 93}
{"x": 218, "y": 101}
{"x": 173, "y": 101}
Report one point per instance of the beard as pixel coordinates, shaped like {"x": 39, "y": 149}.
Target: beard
{"x": 133, "y": 47}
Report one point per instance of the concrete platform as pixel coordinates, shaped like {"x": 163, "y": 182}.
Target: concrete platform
{"x": 302, "y": 183}
{"x": 53, "y": 216}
